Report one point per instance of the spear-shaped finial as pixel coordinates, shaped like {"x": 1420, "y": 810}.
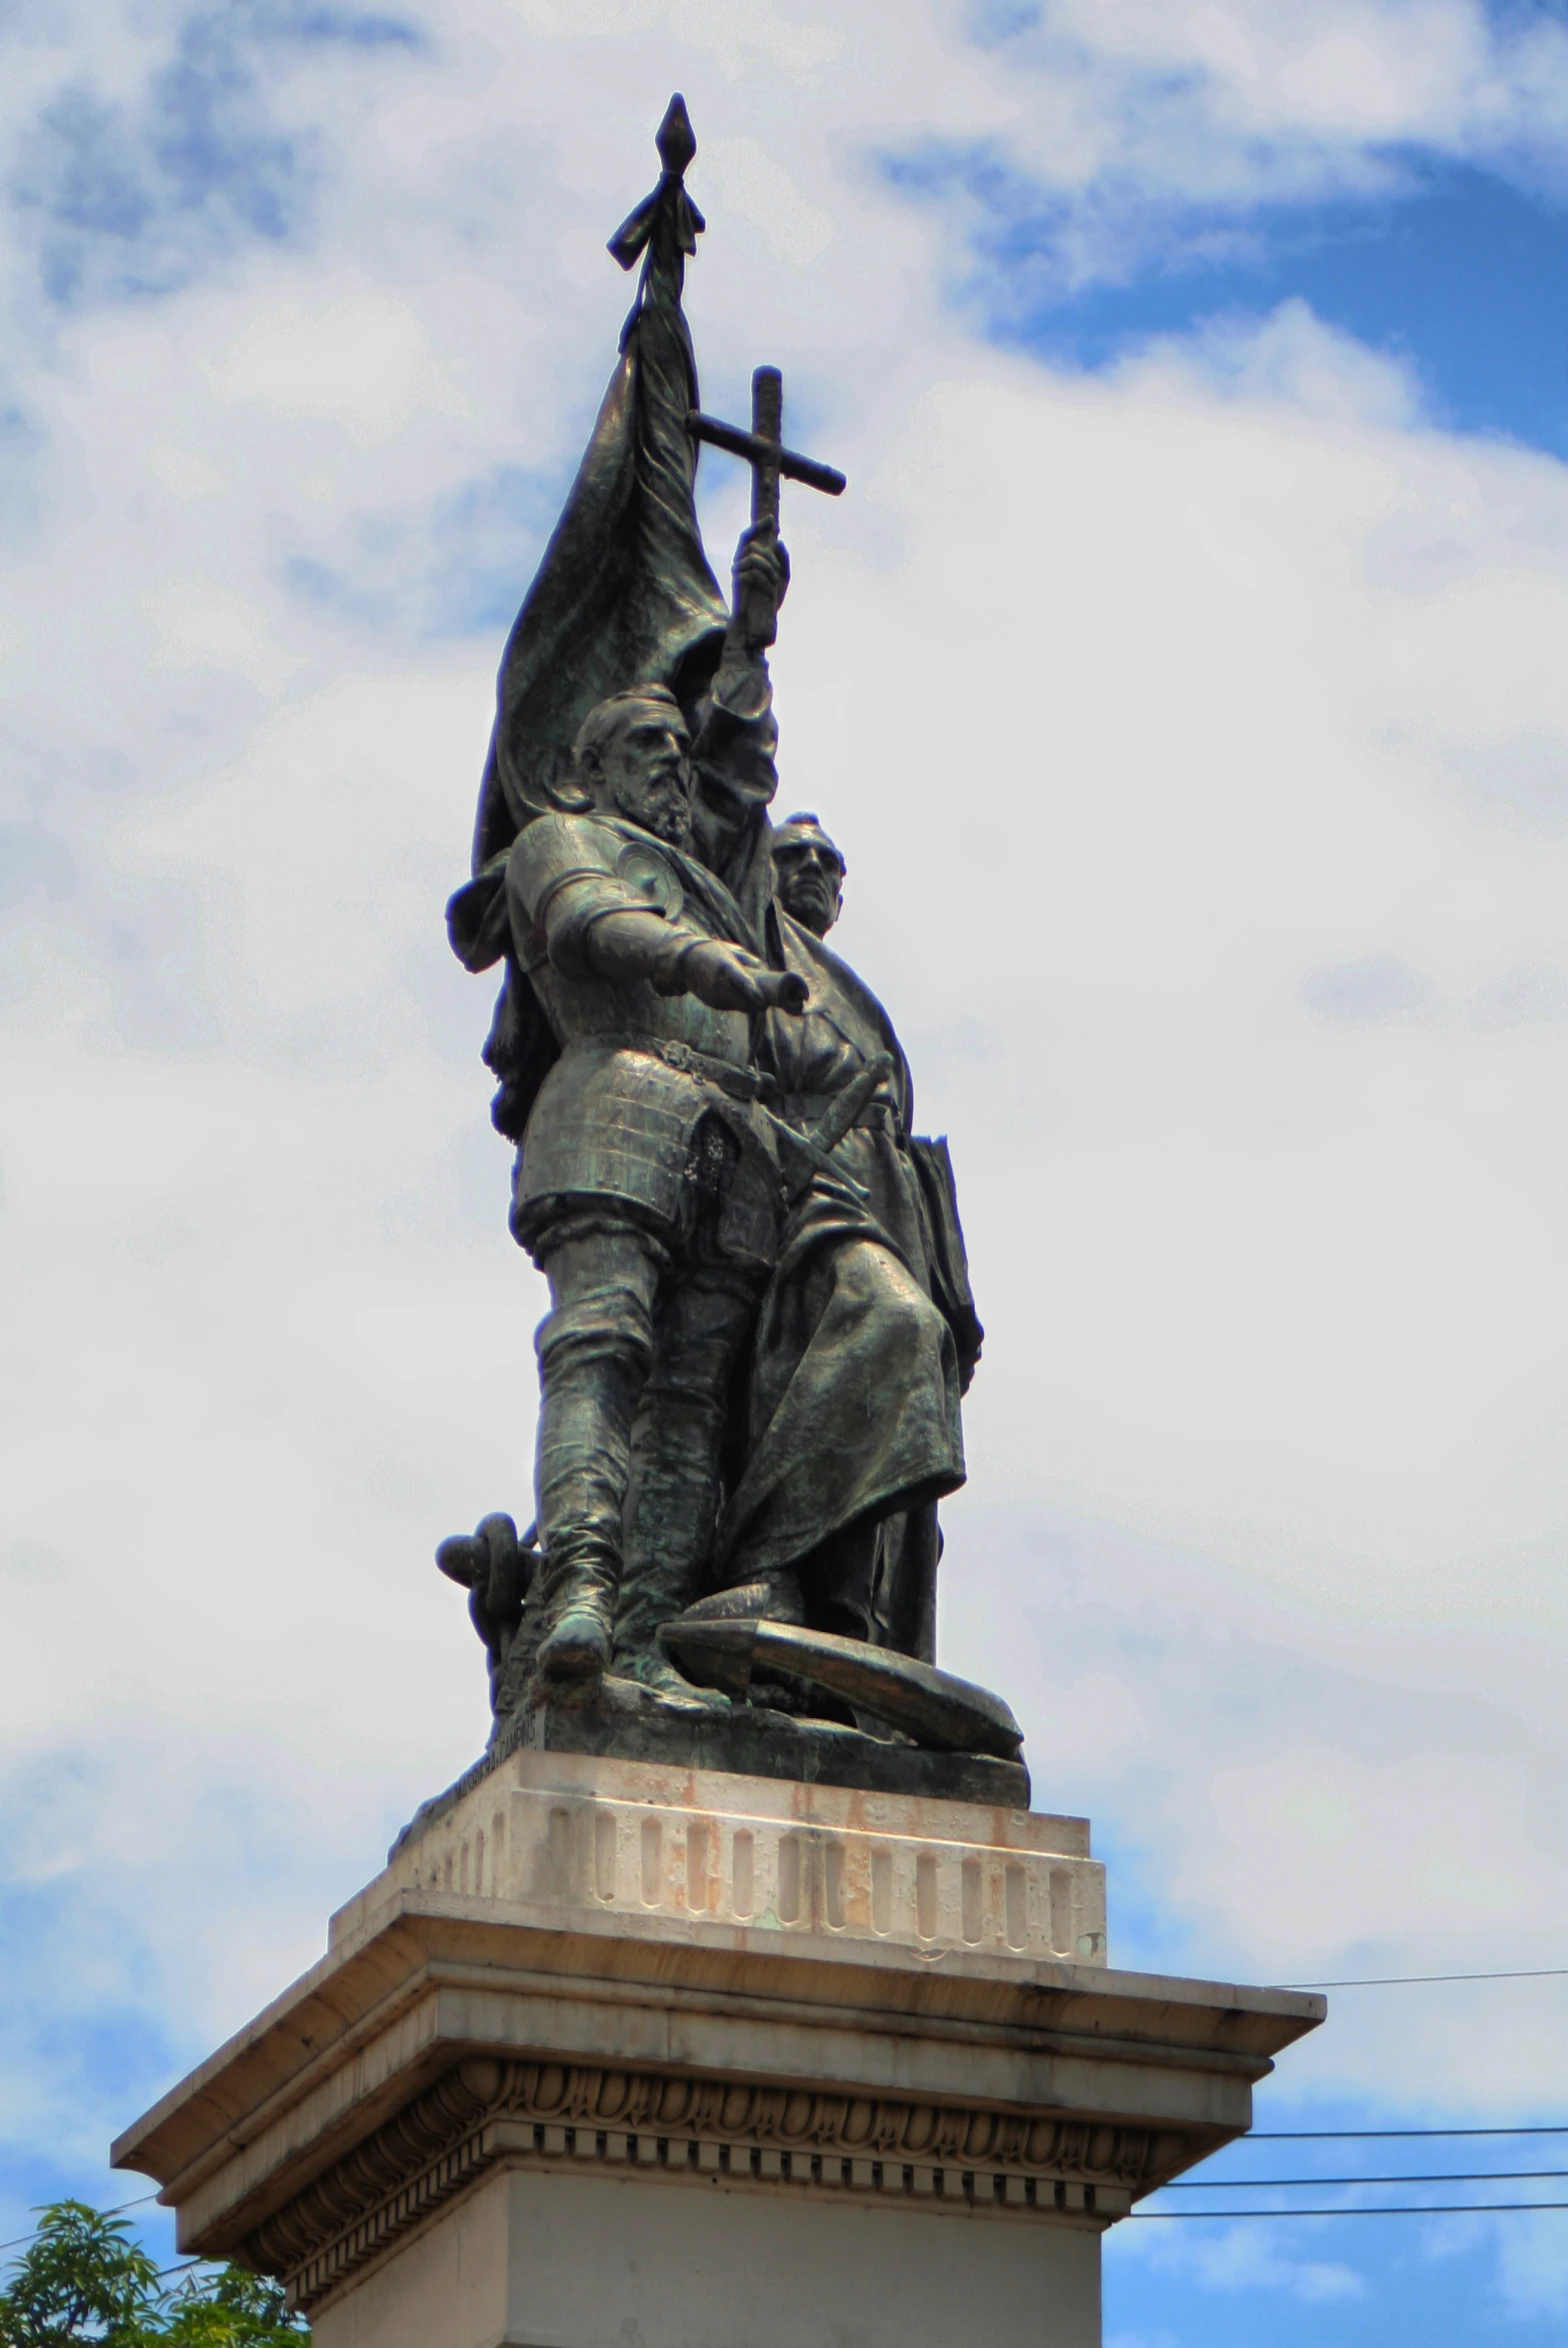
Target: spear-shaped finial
{"x": 675, "y": 138}
{"x": 677, "y": 144}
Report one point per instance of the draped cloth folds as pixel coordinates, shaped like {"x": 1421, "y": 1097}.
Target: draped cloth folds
{"x": 857, "y": 1368}
{"x": 624, "y": 594}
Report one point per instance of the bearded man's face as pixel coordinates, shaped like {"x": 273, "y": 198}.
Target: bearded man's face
{"x": 644, "y": 772}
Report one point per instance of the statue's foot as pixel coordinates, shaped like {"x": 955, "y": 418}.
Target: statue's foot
{"x": 575, "y": 1657}
{"x": 657, "y": 1673}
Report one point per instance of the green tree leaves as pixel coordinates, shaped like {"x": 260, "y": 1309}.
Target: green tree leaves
{"x": 84, "y": 2279}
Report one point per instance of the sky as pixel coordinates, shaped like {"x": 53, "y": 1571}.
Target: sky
{"x": 1182, "y": 677}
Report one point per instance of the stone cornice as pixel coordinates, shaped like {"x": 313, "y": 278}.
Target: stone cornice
{"x": 352, "y": 1997}
{"x": 432, "y": 1981}
{"x": 1011, "y": 2164}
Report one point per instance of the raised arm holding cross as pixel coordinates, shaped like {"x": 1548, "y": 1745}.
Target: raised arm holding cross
{"x": 757, "y": 596}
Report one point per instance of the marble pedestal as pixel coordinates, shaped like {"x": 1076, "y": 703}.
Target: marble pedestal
{"x": 618, "y": 2056}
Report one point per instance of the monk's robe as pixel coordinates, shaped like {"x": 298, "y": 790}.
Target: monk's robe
{"x": 866, "y": 1335}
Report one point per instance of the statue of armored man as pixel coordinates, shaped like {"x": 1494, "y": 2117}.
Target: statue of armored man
{"x": 760, "y": 1322}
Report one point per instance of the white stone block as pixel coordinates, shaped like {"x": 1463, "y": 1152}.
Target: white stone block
{"x": 562, "y": 2261}
{"x": 677, "y": 1851}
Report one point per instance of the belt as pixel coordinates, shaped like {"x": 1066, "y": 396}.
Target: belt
{"x": 743, "y": 1084}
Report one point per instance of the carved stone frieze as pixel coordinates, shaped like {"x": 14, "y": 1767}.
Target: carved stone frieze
{"x": 421, "y": 2137}
{"x": 485, "y": 2110}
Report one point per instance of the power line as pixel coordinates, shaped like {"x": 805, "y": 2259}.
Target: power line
{"x": 1414, "y": 2209}
{"x": 118, "y": 2211}
{"x": 1424, "y": 1980}
{"x": 1442, "y": 2177}
{"x": 1366, "y": 2135}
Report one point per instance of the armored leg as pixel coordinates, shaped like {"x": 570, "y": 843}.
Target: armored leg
{"x": 673, "y": 1501}
{"x": 595, "y": 1349}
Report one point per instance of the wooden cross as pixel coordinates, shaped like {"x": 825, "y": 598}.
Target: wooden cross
{"x": 764, "y": 450}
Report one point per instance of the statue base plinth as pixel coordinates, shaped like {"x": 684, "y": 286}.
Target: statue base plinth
{"x": 630, "y": 1724}
{"x": 612, "y": 2051}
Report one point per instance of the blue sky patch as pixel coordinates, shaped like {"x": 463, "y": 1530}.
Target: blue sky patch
{"x": 134, "y": 200}
{"x": 1352, "y": 2282}
{"x": 1460, "y": 273}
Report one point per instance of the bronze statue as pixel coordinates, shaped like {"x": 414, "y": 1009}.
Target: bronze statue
{"x": 646, "y": 1183}
{"x": 760, "y": 1322}
{"x": 861, "y": 1352}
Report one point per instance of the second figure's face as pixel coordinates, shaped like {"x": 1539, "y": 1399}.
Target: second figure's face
{"x": 810, "y": 882}
{"x": 645, "y": 774}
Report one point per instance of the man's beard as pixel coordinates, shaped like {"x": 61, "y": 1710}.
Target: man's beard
{"x": 672, "y": 824}
{"x": 667, "y": 819}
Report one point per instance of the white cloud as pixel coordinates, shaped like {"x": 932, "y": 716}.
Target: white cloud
{"x": 1324, "y": 77}
{"x": 1244, "y": 2258}
{"x": 1158, "y": 2258}
{"x": 751, "y": 184}
{"x": 1189, "y": 794}
{"x": 736, "y": 31}
{"x": 1290, "y": 357}
{"x": 351, "y": 358}
{"x": 1140, "y": 703}
{"x": 197, "y": 626}
{"x": 1085, "y": 1722}
{"x": 1427, "y": 1845}
{"x": 184, "y": 474}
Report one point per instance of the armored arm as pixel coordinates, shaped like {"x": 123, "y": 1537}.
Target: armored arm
{"x": 594, "y": 922}
{"x": 594, "y": 932}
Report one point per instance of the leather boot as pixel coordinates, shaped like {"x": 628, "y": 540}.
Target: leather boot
{"x": 575, "y": 1652}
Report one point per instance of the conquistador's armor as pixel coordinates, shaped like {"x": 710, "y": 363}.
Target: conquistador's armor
{"x": 641, "y": 1066}
{"x": 647, "y": 1192}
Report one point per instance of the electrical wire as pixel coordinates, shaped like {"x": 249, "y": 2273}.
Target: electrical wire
{"x": 1414, "y": 2209}
{"x": 118, "y": 2211}
{"x": 1442, "y": 2177}
{"x": 1367, "y": 2135}
{"x": 1424, "y": 1980}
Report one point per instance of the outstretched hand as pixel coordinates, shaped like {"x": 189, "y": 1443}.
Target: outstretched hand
{"x": 727, "y": 978}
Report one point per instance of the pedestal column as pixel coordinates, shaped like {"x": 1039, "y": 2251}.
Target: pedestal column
{"x": 618, "y": 2054}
